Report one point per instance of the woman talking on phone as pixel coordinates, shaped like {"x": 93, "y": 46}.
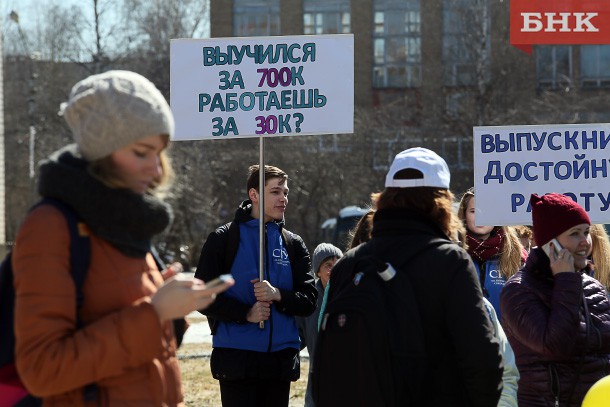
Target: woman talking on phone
{"x": 557, "y": 317}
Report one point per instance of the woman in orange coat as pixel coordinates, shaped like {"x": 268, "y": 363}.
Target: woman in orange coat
{"x": 125, "y": 351}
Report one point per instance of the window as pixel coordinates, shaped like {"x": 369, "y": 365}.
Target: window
{"x": 389, "y": 143}
{"x": 457, "y": 103}
{"x": 253, "y": 18}
{"x": 466, "y": 42}
{"x": 383, "y": 153}
{"x": 396, "y": 44}
{"x": 553, "y": 65}
{"x": 329, "y": 143}
{"x": 595, "y": 66}
{"x": 326, "y": 16}
{"x": 332, "y": 144}
{"x": 457, "y": 152}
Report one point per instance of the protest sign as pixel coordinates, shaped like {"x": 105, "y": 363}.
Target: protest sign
{"x": 513, "y": 162}
{"x": 262, "y": 86}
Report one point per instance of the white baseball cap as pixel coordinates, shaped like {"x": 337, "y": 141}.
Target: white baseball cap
{"x": 433, "y": 169}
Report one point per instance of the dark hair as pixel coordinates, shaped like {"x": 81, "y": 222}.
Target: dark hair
{"x": 362, "y": 231}
{"x": 433, "y": 203}
{"x": 270, "y": 172}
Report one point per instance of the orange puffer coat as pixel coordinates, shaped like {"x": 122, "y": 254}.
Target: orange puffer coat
{"x": 123, "y": 346}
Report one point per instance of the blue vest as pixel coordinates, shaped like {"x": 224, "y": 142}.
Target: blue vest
{"x": 280, "y": 330}
{"x": 492, "y": 282}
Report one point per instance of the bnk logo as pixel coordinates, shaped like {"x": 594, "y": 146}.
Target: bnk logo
{"x": 558, "y": 22}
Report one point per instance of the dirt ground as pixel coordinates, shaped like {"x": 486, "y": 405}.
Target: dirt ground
{"x": 201, "y": 390}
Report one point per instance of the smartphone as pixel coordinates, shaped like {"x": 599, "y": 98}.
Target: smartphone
{"x": 547, "y": 247}
{"x": 222, "y": 279}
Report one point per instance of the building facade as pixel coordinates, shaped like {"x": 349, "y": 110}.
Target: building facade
{"x": 431, "y": 70}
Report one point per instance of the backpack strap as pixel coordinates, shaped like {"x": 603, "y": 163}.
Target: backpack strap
{"x": 368, "y": 249}
{"x": 371, "y": 250}
{"x": 80, "y": 249}
{"x": 227, "y": 252}
{"x": 289, "y": 244}
{"x": 80, "y": 260}
{"x": 231, "y": 246}
{"x": 436, "y": 242}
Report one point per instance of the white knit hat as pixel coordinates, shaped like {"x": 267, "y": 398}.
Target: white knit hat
{"x": 111, "y": 110}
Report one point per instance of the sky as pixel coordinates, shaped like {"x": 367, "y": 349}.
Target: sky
{"x": 31, "y": 12}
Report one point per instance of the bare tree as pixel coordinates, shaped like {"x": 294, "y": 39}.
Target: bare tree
{"x": 154, "y": 23}
{"x": 150, "y": 25}
{"x": 327, "y": 172}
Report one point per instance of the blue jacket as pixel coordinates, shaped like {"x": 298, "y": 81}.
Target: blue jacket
{"x": 280, "y": 330}
{"x": 492, "y": 282}
{"x": 292, "y": 277}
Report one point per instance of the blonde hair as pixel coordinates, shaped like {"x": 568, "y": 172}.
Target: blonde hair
{"x": 601, "y": 254}
{"x": 105, "y": 171}
{"x": 524, "y": 231}
{"x": 510, "y": 256}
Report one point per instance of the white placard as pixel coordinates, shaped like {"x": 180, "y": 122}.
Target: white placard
{"x": 513, "y": 162}
{"x": 273, "y": 86}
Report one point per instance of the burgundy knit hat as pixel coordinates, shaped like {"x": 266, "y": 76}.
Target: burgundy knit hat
{"x": 553, "y": 214}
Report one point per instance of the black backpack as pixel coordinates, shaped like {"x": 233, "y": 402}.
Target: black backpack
{"x": 370, "y": 349}
{"x": 80, "y": 256}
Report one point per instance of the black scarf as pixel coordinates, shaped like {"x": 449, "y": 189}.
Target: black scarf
{"x": 125, "y": 219}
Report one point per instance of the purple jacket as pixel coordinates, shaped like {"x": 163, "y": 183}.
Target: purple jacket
{"x": 559, "y": 352}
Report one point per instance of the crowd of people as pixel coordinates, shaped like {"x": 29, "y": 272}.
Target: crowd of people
{"x": 510, "y": 315}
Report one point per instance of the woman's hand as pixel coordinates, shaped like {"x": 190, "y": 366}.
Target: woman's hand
{"x": 562, "y": 261}
{"x": 172, "y": 270}
{"x": 180, "y": 295}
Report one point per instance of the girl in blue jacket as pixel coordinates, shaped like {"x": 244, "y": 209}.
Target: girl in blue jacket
{"x": 496, "y": 251}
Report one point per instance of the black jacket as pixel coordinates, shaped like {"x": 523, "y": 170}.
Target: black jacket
{"x": 300, "y": 301}
{"x": 559, "y": 352}
{"x": 465, "y": 363}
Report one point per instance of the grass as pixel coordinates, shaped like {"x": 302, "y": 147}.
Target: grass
{"x": 202, "y": 390}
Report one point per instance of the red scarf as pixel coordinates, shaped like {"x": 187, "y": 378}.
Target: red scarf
{"x": 483, "y": 250}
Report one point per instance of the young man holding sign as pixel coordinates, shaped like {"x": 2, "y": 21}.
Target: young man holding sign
{"x": 254, "y": 362}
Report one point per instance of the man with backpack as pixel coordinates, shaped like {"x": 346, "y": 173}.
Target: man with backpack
{"x": 254, "y": 362}
{"x": 405, "y": 323}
